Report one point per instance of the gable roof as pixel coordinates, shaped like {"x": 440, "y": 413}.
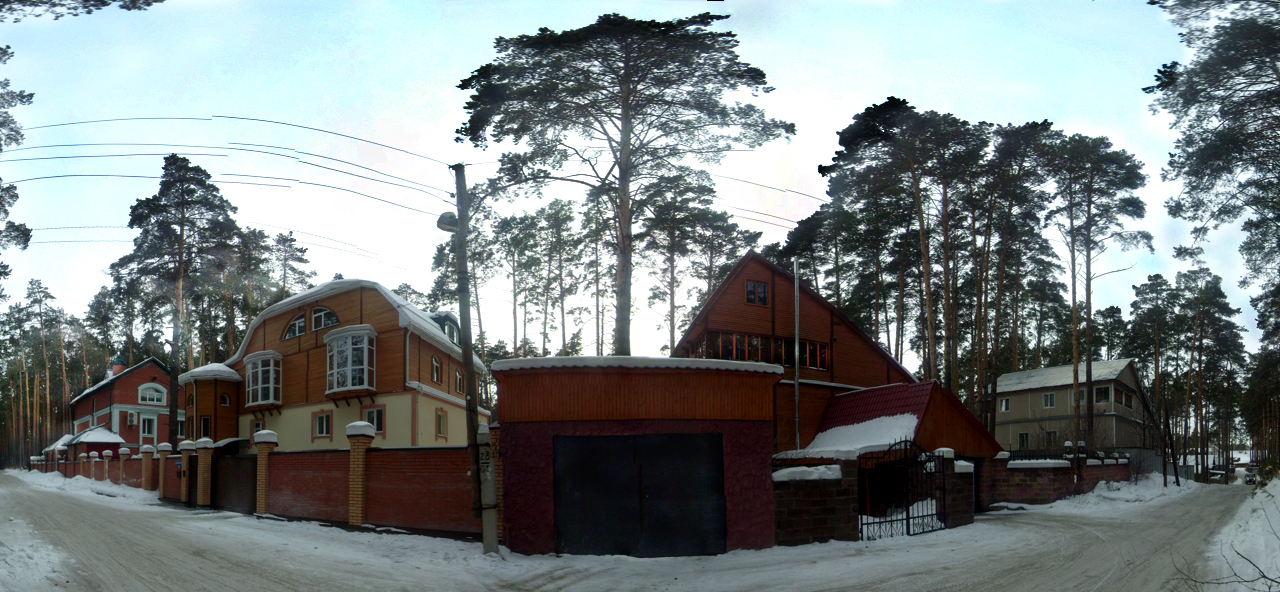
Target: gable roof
{"x": 98, "y": 435}
{"x": 409, "y": 316}
{"x": 882, "y": 401}
{"x": 116, "y": 377}
{"x": 1058, "y": 376}
{"x": 754, "y": 256}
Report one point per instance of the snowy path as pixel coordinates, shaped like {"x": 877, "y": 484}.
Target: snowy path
{"x": 1104, "y": 541}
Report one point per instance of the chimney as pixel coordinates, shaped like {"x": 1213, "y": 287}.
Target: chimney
{"x": 117, "y": 366}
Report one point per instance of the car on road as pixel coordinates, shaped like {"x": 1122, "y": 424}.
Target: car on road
{"x": 1250, "y": 479}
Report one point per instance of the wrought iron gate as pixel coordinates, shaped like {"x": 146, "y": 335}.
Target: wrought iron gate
{"x": 901, "y": 491}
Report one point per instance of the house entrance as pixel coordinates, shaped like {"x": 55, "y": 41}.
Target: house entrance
{"x": 649, "y": 495}
{"x": 235, "y": 479}
{"x": 901, "y": 491}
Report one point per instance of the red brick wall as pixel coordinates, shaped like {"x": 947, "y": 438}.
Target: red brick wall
{"x": 309, "y": 485}
{"x": 817, "y": 510}
{"x": 999, "y": 483}
{"x": 172, "y": 482}
{"x": 113, "y": 471}
{"x": 959, "y": 499}
{"x": 419, "y": 488}
{"x": 133, "y": 472}
{"x": 528, "y": 496}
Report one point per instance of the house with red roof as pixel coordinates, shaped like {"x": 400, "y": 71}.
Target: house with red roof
{"x": 132, "y": 403}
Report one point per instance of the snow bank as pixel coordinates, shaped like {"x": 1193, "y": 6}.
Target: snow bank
{"x": 85, "y": 487}
{"x": 1117, "y": 496}
{"x": 1254, "y": 532}
{"x": 847, "y": 442}
{"x": 808, "y": 473}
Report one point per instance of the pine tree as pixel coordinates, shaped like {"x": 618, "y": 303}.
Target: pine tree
{"x": 288, "y": 256}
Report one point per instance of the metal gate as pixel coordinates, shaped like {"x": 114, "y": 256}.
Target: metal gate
{"x": 901, "y": 491}
{"x": 235, "y": 483}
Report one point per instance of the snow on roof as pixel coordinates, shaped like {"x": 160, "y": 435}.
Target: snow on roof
{"x": 1057, "y": 376}
{"x": 882, "y": 401}
{"x": 98, "y": 435}
{"x": 808, "y": 473}
{"x": 409, "y": 315}
{"x": 634, "y": 362}
{"x": 107, "y": 380}
{"x": 850, "y": 441}
{"x": 209, "y": 372}
{"x": 60, "y": 442}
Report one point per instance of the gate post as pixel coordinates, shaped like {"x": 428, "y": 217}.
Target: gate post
{"x": 360, "y": 435}
{"x": 185, "y": 448}
{"x": 266, "y": 441}
{"x": 165, "y": 450}
{"x": 204, "y": 448}
{"x": 106, "y": 465}
{"x": 93, "y": 466}
{"x": 148, "y": 452}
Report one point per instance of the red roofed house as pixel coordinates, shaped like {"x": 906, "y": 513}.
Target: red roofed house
{"x": 131, "y": 402}
{"x": 751, "y": 317}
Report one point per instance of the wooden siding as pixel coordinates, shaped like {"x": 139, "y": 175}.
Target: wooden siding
{"x": 574, "y": 394}
{"x": 945, "y": 425}
{"x": 813, "y": 403}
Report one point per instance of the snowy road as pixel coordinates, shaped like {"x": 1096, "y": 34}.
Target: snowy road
{"x": 1127, "y": 540}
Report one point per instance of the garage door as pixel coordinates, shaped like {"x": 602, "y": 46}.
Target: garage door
{"x": 652, "y": 495}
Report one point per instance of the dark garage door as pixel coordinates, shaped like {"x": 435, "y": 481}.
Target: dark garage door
{"x": 653, "y": 495}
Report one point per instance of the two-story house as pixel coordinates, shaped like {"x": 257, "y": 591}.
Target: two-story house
{"x": 1035, "y": 409}
{"x": 131, "y": 402}
{"x": 347, "y": 350}
{"x": 751, "y": 317}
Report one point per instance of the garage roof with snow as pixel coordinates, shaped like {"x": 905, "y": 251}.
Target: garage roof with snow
{"x": 98, "y": 435}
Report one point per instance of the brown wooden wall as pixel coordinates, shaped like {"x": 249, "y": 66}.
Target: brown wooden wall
{"x": 813, "y": 403}
{"x": 854, "y": 360}
{"x": 580, "y": 394}
{"x": 945, "y": 425}
{"x": 419, "y": 357}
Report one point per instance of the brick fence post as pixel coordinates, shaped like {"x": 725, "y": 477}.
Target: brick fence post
{"x": 148, "y": 452}
{"x": 360, "y": 436}
{"x": 186, "y": 448}
{"x": 61, "y": 453}
{"x": 165, "y": 450}
{"x": 124, "y": 455}
{"x": 266, "y": 442}
{"x": 106, "y": 465}
{"x": 93, "y": 466}
{"x": 204, "y": 472}
{"x": 80, "y": 469}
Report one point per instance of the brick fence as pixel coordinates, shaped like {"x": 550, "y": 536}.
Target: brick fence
{"x": 817, "y": 510}
{"x": 1042, "y": 482}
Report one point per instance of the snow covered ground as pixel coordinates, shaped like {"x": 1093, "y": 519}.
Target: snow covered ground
{"x": 1118, "y": 537}
{"x": 1252, "y": 536}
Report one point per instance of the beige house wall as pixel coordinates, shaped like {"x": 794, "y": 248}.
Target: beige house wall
{"x": 1115, "y": 424}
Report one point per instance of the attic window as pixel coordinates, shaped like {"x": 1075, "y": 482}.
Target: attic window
{"x": 757, "y": 293}
{"x": 322, "y": 317}
{"x": 451, "y": 331}
{"x": 297, "y": 327}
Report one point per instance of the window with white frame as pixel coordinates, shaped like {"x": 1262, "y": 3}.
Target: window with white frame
{"x": 323, "y": 425}
{"x": 297, "y": 327}
{"x": 442, "y": 423}
{"x": 374, "y": 417}
{"x": 459, "y": 383}
{"x": 435, "y": 370}
{"x": 257, "y": 426}
{"x": 1004, "y": 404}
{"x": 1049, "y": 400}
{"x": 148, "y": 428}
{"x": 262, "y": 378}
{"x": 350, "y": 354}
{"x": 451, "y": 331}
{"x": 182, "y": 428}
{"x": 322, "y": 317}
{"x": 151, "y": 394}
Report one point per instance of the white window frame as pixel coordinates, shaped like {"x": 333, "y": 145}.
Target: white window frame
{"x": 341, "y": 346}
{"x": 380, "y": 414}
{"x": 319, "y": 321}
{"x": 325, "y": 420}
{"x": 142, "y": 426}
{"x": 436, "y": 374}
{"x": 152, "y": 387}
{"x": 1049, "y": 400}
{"x": 182, "y": 428}
{"x": 442, "y": 423}
{"x": 296, "y": 328}
{"x": 257, "y": 390}
{"x": 261, "y": 424}
{"x": 459, "y": 382}
{"x": 1004, "y": 404}
{"x": 451, "y": 332}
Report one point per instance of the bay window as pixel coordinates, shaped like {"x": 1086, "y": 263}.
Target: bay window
{"x": 350, "y": 358}
{"x": 262, "y": 377}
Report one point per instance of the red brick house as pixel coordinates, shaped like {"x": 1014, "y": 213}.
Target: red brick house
{"x": 751, "y": 317}
{"x": 131, "y": 402}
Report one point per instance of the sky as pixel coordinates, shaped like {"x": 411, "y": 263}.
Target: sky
{"x": 386, "y": 72}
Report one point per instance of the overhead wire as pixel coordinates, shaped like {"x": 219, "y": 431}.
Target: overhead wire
{"x": 103, "y": 156}
{"x": 334, "y": 133}
{"x": 120, "y": 119}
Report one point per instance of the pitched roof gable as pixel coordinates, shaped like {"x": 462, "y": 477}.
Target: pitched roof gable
{"x": 1058, "y": 376}
{"x": 107, "y": 381}
{"x": 883, "y": 401}
{"x": 754, "y": 256}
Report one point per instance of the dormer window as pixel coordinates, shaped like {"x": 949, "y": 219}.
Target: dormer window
{"x": 297, "y": 327}
{"x": 322, "y": 317}
{"x": 451, "y": 331}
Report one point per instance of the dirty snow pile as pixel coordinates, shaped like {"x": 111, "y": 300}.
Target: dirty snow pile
{"x": 847, "y": 442}
{"x": 1253, "y": 533}
{"x": 83, "y": 486}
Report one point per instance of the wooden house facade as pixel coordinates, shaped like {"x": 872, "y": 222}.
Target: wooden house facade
{"x": 751, "y": 317}
{"x": 344, "y": 351}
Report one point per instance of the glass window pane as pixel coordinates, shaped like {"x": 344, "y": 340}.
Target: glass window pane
{"x": 341, "y": 358}
{"x": 329, "y": 385}
{"x": 357, "y": 376}
{"x": 340, "y": 378}
{"x": 357, "y": 356}
{"x": 753, "y": 348}
{"x": 762, "y": 293}
{"x": 751, "y": 292}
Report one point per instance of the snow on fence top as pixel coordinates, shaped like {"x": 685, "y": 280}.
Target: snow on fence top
{"x": 1038, "y": 464}
{"x": 265, "y": 436}
{"x": 186, "y": 445}
{"x": 210, "y": 372}
{"x": 634, "y": 362}
{"x": 848, "y": 442}
{"x": 204, "y": 443}
{"x": 808, "y": 473}
{"x": 963, "y": 466}
{"x": 360, "y": 428}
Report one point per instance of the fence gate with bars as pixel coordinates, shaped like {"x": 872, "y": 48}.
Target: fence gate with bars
{"x": 901, "y": 491}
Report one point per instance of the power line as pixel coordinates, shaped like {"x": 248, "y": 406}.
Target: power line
{"x": 315, "y": 235}
{"x": 258, "y": 177}
{"x": 74, "y": 227}
{"x": 65, "y": 176}
{"x": 371, "y": 170}
{"x": 371, "y": 197}
{"x": 78, "y": 241}
{"x": 764, "y": 222}
{"x": 771, "y": 187}
{"x": 374, "y": 180}
{"x": 761, "y": 213}
{"x": 106, "y": 144}
{"x": 103, "y": 156}
{"x": 334, "y": 133}
{"x": 122, "y": 119}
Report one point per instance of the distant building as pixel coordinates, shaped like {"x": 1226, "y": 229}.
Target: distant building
{"x": 1035, "y": 409}
{"x": 131, "y": 402}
